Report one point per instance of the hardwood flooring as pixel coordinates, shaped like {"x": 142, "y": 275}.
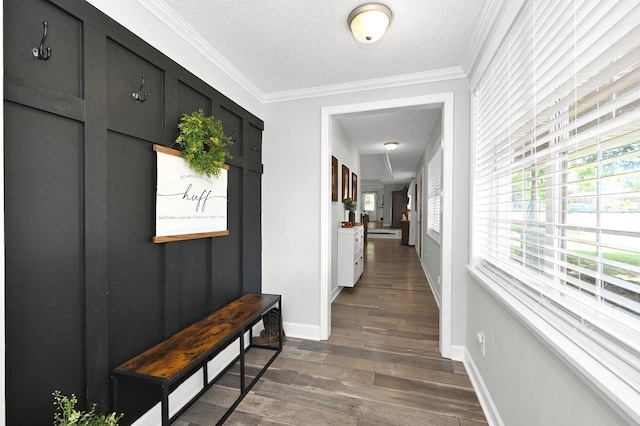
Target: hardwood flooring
{"x": 381, "y": 365}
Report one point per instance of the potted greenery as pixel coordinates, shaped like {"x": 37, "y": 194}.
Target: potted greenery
{"x": 203, "y": 143}
{"x": 67, "y": 415}
{"x": 350, "y": 204}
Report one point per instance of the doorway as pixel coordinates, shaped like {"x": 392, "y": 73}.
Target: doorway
{"x": 399, "y": 201}
{"x": 418, "y": 204}
{"x": 326, "y": 117}
{"x": 370, "y": 205}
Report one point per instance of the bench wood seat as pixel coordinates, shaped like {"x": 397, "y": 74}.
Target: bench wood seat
{"x": 171, "y": 361}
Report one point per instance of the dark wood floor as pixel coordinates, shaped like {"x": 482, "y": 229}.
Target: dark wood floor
{"x": 381, "y": 365}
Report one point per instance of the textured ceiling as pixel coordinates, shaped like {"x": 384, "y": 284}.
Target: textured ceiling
{"x": 293, "y": 48}
{"x": 410, "y": 127}
{"x": 299, "y": 44}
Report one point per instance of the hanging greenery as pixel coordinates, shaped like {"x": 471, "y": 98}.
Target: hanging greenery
{"x": 203, "y": 143}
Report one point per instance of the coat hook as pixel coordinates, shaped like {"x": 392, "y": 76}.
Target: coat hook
{"x": 138, "y": 96}
{"x": 233, "y": 135}
{"x": 258, "y": 146}
{"x": 40, "y": 52}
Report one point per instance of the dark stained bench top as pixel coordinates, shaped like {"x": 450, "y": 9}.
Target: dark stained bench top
{"x": 169, "y": 359}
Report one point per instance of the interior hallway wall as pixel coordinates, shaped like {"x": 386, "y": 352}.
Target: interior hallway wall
{"x": 431, "y": 255}
{"x": 343, "y": 149}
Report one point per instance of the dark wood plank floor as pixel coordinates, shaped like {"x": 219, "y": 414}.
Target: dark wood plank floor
{"x": 381, "y": 365}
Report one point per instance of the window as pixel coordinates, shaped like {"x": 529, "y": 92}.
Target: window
{"x": 434, "y": 188}
{"x": 557, "y": 173}
{"x": 370, "y": 201}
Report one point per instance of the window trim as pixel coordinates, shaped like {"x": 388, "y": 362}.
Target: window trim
{"x": 364, "y": 201}
{"x": 431, "y": 231}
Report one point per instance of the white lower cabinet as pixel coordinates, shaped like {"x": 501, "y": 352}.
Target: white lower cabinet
{"x": 350, "y": 255}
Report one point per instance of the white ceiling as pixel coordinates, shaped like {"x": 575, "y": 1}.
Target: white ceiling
{"x": 302, "y": 47}
{"x": 410, "y": 127}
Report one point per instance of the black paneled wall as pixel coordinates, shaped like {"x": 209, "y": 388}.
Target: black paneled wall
{"x": 86, "y": 289}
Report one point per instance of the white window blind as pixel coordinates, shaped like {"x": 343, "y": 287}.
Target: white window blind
{"x": 557, "y": 172}
{"x": 434, "y": 189}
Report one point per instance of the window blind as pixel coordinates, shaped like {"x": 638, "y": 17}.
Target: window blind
{"x": 557, "y": 172}
{"x": 434, "y": 189}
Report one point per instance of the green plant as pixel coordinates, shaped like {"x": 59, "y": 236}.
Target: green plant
{"x": 67, "y": 415}
{"x": 203, "y": 143}
{"x": 350, "y": 204}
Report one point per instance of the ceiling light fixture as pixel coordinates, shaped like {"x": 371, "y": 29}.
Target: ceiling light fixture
{"x": 369, "y": 22}
{"x": 391, "y": 145}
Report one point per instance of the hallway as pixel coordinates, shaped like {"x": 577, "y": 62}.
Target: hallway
{"x": 381, "y": 365}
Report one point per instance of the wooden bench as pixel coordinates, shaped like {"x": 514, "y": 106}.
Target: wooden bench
{"x": 179, "y": 358}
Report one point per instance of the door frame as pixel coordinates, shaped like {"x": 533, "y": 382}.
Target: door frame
{"x": 419, "y": 206}
{"x": 326, "y": 118}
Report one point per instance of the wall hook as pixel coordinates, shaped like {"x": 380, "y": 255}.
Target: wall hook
{"x": 233, "y": 136}
{"x": 258, "y": 146}
{"x": 138, "y": 96}
{"x": 40, "y": 52}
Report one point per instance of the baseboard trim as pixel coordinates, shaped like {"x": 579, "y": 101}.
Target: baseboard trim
{"x": 302, "y": 331}
{"x": 486, "y": 402}
{"x": 336, "y": 291}
{"x": 434, "y": 290}
{"x": 458, "y": 353}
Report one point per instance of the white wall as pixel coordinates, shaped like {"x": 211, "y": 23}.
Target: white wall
{"x": 343, "y": 149}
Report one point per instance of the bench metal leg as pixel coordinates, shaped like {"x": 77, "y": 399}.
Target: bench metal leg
{"x": 165, "y": 405}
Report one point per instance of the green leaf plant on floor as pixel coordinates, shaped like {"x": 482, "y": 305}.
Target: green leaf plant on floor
{"x": 203, "y": 143}
{"x": 67, "y": 415}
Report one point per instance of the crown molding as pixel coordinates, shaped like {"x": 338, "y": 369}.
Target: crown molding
{"x": 377, "y": 83}
{"x": 496, "y": 24}
{"x": 486, "y": 21}
{"x": 182, "y": 28}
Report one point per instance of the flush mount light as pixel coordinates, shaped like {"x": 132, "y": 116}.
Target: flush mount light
{"x": 391, "y": 145}
{"x": 369, "y": 22}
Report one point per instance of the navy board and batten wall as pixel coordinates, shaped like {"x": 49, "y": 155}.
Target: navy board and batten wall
{"x": 86, "y": 289}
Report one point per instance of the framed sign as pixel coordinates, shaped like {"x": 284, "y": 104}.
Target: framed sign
{"x": 334, "y": 178}
{"x": 188, "y": 205}
{"x": 354, "y": 186}
{"x": 345, "y": 182}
